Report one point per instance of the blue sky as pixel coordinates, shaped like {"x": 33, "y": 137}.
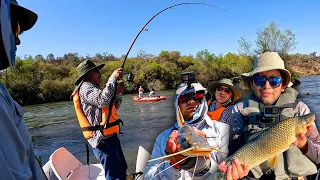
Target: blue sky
{"x": 96, "y": 26}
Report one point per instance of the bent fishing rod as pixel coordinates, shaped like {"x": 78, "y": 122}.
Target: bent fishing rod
{"x": 134, "y": 40}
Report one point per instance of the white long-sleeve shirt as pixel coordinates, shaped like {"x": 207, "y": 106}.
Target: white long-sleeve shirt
{"x": 217, "y": 134}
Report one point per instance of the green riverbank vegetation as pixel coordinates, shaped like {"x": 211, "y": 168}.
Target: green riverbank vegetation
{"x": 42, "y": 79}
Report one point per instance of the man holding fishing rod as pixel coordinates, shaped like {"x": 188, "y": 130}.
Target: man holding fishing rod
{"x": 190, "y": 101}
{"x": 17, "y": 158}
{"x": 269, "y": 80}
{"x": 92, "y": 103}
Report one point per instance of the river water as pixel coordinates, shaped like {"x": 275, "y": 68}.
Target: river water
{"x": 54, "y": 125}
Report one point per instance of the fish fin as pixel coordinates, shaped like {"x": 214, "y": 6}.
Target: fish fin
{"x": 273, "y": 161}
{"x": 218, "y": 150}
{"x": 170, "y": 155}
{"x": 180, "y": 119}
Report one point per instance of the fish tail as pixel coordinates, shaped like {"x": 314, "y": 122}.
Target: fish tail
{"x": 218, "y": 150}
{"x": 167, "y": 157}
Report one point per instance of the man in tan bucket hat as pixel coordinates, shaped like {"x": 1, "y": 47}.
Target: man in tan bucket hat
{"x": 268, "y": 81}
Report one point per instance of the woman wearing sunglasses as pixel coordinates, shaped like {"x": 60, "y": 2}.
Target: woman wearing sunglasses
{"x": 269, "y": 81}
{"x": 193, "y": 107}
{"x": 225, "y": 94}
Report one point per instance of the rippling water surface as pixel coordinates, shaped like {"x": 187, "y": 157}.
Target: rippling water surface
{"x": 54, "y": 125}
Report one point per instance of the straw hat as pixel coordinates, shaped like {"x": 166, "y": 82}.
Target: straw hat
{"x": 225, "y": 82}
{"x": 266, "y": 62}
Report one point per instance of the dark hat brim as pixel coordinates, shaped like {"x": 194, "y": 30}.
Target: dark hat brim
{"x": 81, "y": 77}
{"x": 27, "y": 19}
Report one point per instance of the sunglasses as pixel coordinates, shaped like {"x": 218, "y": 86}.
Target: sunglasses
{"x": 273, "y": 81}
{"x": 227, "y": 90}
{"x": 198, "y": 97}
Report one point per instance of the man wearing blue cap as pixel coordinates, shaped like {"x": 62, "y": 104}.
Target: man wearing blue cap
{"x": 17, "y": 158}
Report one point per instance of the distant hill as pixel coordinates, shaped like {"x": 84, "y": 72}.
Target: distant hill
{"x": 303, "y": 64}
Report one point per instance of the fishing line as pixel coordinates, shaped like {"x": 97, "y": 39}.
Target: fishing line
{"x": 169, "y": 167}
{"x": 143, "y": 28}
{"x": 194, "y": 170}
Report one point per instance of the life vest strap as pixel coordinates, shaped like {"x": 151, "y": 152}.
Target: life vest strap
{"x": 101, "y": 127}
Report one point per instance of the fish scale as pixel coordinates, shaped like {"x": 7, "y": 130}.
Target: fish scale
{"x": 270, "y": 143}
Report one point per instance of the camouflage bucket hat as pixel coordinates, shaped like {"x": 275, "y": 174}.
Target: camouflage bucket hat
{"x": 84, "y": 67}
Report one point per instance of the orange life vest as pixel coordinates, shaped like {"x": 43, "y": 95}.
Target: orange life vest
{"x": 87, "y": 128}
{"x": 216, "y": 114}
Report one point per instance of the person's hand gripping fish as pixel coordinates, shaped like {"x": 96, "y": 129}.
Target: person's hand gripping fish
{"x": 302, "y": 139}
{"x": 235, "y": 171}
{"x": 172, "y": 146}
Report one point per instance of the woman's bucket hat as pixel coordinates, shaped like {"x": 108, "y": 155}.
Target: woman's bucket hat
{"x": 228, "y": 83}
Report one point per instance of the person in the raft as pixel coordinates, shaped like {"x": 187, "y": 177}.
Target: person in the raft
{"x": 94, "y": 103}
{"x": 140, "y": 90}
{"x": 269, "y": 80}
{"x": 225, "y": 94}
{"x": 193, "y": 106}
{"x": 17, "y": 157}
{"x": 152, "y": 93}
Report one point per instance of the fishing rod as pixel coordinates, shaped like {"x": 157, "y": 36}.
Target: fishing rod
{"x": 137, "y": 174}
{"x": 144, "y": 27}
{"x": 134, "y": 40}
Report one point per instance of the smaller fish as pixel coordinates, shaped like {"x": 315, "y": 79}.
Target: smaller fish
{"x": 191, "y": 144}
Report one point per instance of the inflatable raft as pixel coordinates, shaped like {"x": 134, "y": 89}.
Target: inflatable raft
{"x": 149, "y": 99}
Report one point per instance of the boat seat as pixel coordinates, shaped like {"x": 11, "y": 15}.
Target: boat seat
{"x": 142, "y": 158}
{"x": 66, "y": 166}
